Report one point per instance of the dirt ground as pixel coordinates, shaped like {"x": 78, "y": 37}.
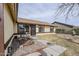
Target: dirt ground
{"x": 72, "y": 48}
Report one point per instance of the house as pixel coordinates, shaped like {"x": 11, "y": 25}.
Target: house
{"x": 34, "y": 27}
{"x": 8, "y": 24}
{"x": 62, "y": 27}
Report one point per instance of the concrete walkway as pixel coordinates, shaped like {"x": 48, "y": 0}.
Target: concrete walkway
{"x": 50, "y": 50}
{"x": 40, "y": 48}
{"x": 54, "y": 50}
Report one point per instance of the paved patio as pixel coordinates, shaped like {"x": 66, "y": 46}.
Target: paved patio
{"x": 40, "y": 48}
{"x": 54, "y": 50}
{"x": 24, "y": 50}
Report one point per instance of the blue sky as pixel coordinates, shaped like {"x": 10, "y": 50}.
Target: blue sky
{"x": 43, "y": 12}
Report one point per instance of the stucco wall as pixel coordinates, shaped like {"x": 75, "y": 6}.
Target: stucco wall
{"x": 47, "y": 28}
{"x": 37, "y": 28}
{"x": 15, "y": 27}
{"x": 8, "y": 24}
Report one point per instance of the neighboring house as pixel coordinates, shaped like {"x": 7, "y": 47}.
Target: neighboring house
{"x": 8, "y": 14}
{"x": 63, "y": 27}
{"x": 34, "y": 27}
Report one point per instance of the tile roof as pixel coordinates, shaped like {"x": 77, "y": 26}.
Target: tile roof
{"x": 62, "y": 24}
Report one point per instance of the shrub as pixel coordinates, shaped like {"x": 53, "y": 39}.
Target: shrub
{"x": 60, "y": 31}
{"x": 76, "y": 31}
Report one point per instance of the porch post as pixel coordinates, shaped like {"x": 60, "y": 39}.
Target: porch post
{"x": 54, "y": 30}
{"x": 29, "y": 29}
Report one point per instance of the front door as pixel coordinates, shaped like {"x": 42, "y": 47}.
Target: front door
{"x": 33, "y": 29}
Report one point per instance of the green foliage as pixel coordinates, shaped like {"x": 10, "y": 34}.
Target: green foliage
{"x": 60, "y": 30}
{"x": 76, "y": 31}
{"x": 69, "y": 32}
{"x": 64, "y": 31}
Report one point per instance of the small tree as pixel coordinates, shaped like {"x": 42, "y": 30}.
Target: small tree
{"x": 68, "y": 9}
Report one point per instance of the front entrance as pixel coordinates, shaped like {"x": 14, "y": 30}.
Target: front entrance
{"x": 29, "y": 28}
{"x": 33, "y": 29}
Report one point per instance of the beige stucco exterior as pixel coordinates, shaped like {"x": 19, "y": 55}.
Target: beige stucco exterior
{"x": 47, "y": 29}
{"x": 15, "y": 27}
{"x": 10, "y": 26}
{"x": 37, "y": 28}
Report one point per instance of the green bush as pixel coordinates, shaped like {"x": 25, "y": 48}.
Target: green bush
{"x": 69, "y": 32}
{"x": 60, "y": 30}
{"x": 77, "y": 31}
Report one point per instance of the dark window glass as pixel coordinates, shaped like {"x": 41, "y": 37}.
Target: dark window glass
{"x": 41, "y": 29}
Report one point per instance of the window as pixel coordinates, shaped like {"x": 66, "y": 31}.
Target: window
{"x": 26, "y": 27}
{"x": 51, "y": 29}
{"x": 23, "y": 27}
{"x": 20, "y": 28}
{"x": 41, "y": 29}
